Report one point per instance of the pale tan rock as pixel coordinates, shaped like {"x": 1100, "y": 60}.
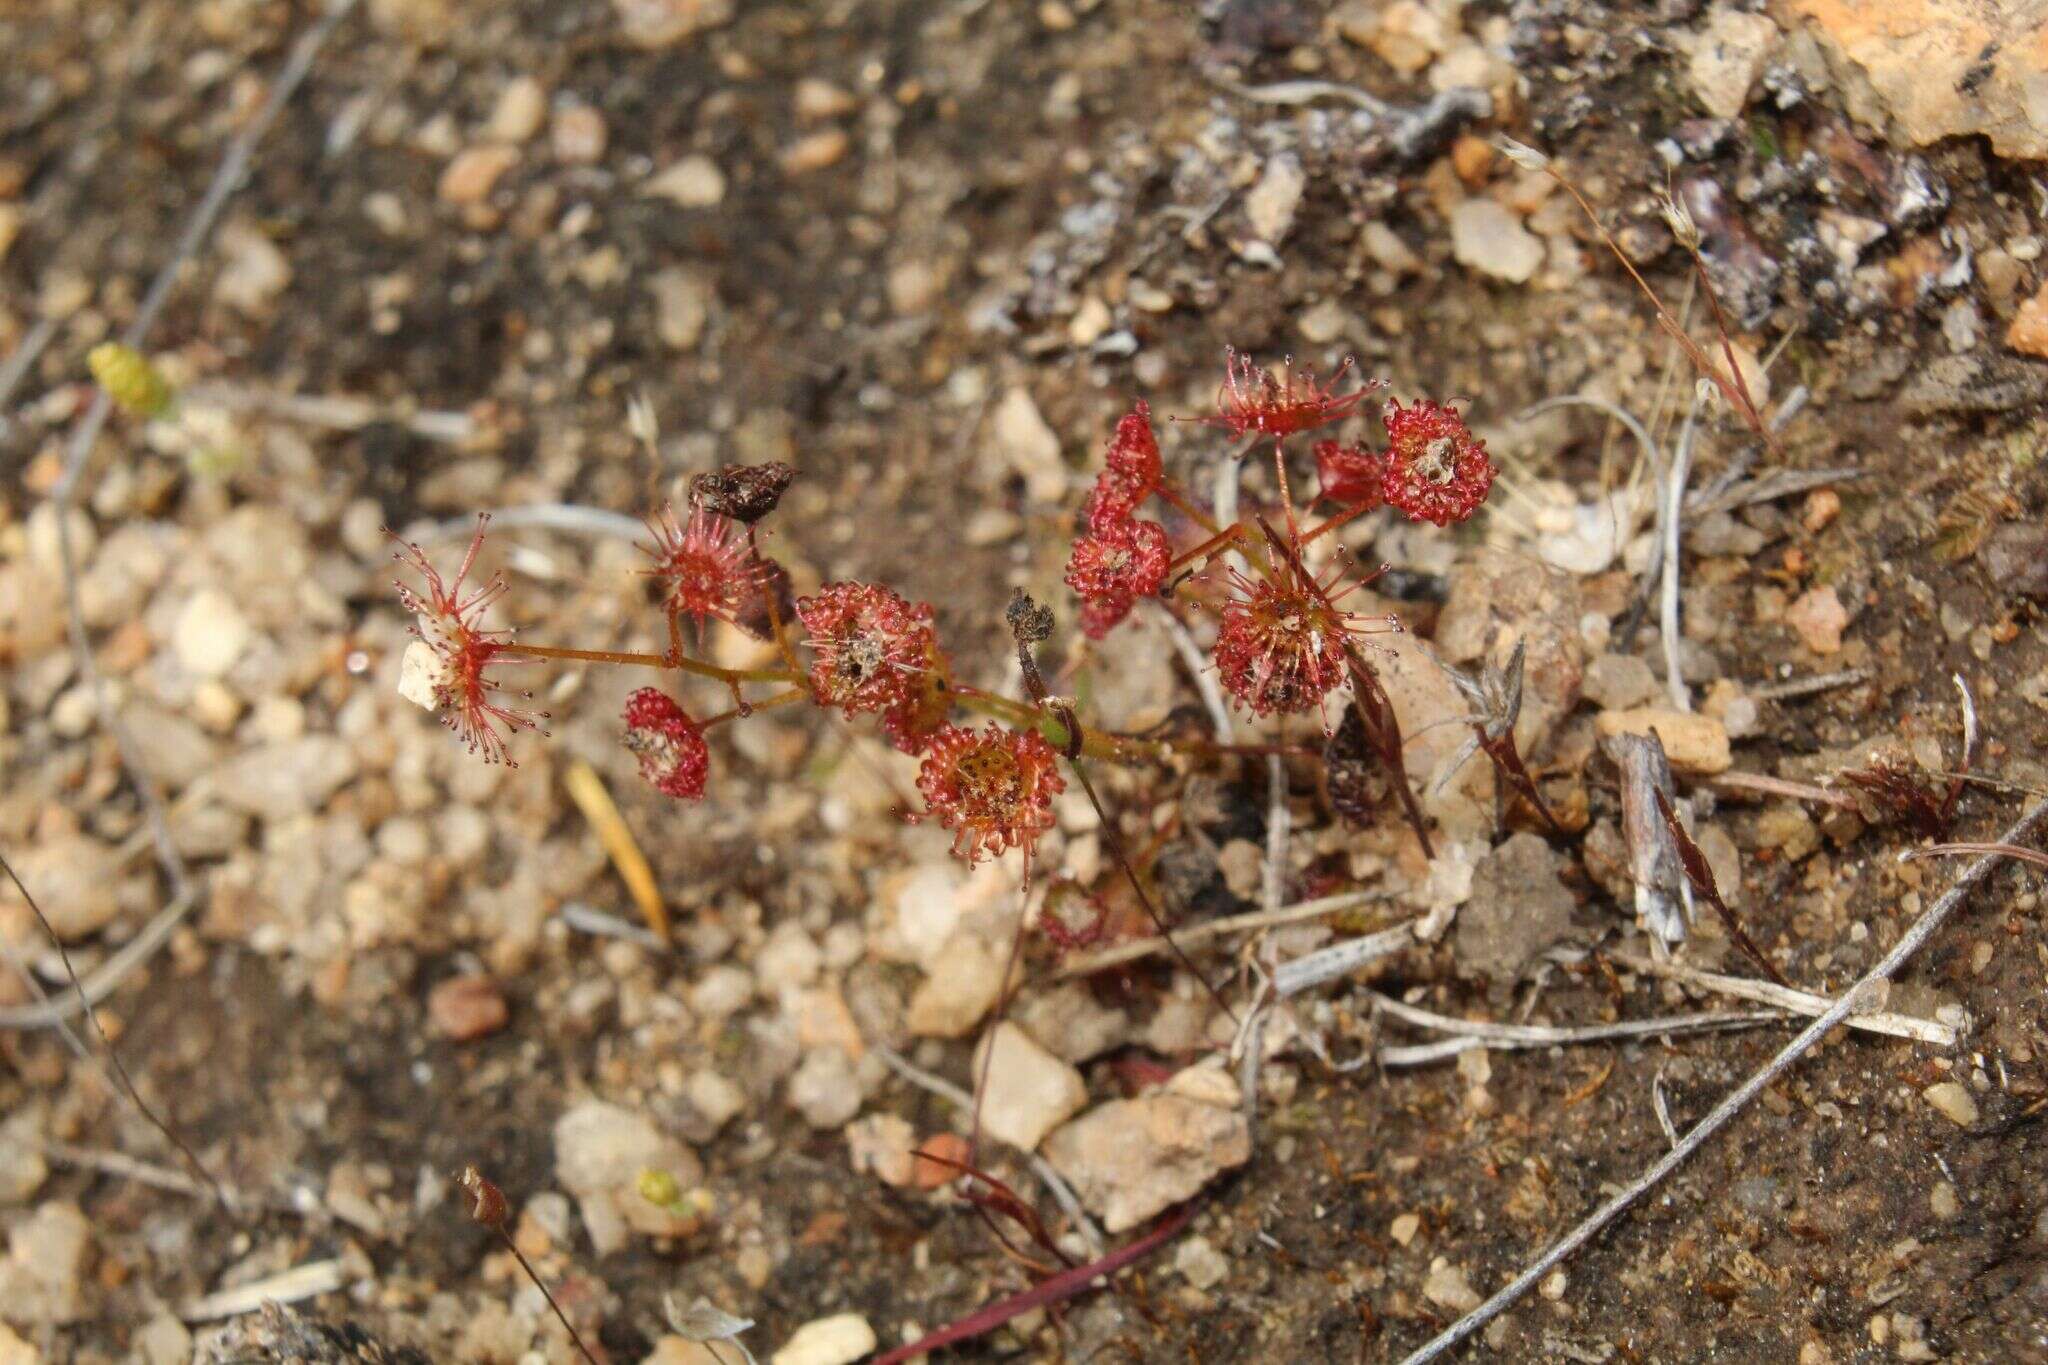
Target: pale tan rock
{"x": 961, "y": 989}
{"x": 579, "y": 136}
{"x": 1029, "y": 1092}
{"x": 817, "y": 100}
{"x": 695, "y": 182}
{"x": 1819, "y": 618}
{"x": 73, "y": 878}
{"x": 1694, "y": 743}
{"x": 1938, "y": 68}
{"x": 885, "y": 1144}
{"x": 1129, "y": 1159}
{"x": 837, "y": 1340}
{"x": 1952, "y": 1102}
{"x": 253, "y": 270}
{"x": 1727, "y": 55}
{"x": 521, "y": 109}
{"x": 1487, "y": 237}
{"x": 1408, "y": 37}
{"x": 815, "y": 151}
{"x": 465, "y": 1008}
{"x": 1447, "y": 1287}
{"x": 664, "y": 23}
{"x": 1030, "y": 445}
{"x": 474, "y": 173}
{"x": 2029, "y": 331}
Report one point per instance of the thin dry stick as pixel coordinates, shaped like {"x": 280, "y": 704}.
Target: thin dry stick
{"x": 1806, "y": 687}
{"x": 102, "y": 980}
{"x": 1204, "y": 676}
{"x": 1766, "y": 785}
{"x": 1087, "y": 964}
{"x": 24, "y": 356}
{"x": 336, "y": 412}
{"x": 569, "y": 517}
{"x": 1674, "y": 531}
{"x": 233, "y": 167}
{"x": 308, "y": 1281}
{"x": 1424, "y": 1054}
{"x": 107, "y": 1044}
{"x": 122, "y": 1165}
{"x": 1922, "y": 929}
{"x": 2025, "y": 855}
{"x": 1340, "y": 959}
{"x": 1787, "y": 998}
{"x": 1547, "y": 1035}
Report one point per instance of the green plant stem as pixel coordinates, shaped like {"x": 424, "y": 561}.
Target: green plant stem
{"x": 1094, "y": 743}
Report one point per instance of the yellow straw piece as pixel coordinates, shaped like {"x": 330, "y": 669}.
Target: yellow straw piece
{"x": 587, "y": 790}
{"x": 137, "y": 387}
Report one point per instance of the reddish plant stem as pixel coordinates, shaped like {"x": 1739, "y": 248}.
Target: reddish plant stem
{"x": 1507, "y": 761}
{"x": 1344, "y": 518}
{"x": 1171, "y": 493}
{"x": 1215, "y": 544}
{"x": 742, "y": 711}
{"x": 1701, "y": 875}
{"x": 1286, "y": 493}
{"x": 1062, "y": 1286}
{"x": 1732, "y": 389}
{"x": 683, "y": 663}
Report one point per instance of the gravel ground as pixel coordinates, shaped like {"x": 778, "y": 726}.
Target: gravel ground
{"x": 928, "y": 252}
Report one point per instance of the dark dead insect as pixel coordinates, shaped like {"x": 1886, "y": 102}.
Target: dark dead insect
{"x": 744, "y": 492}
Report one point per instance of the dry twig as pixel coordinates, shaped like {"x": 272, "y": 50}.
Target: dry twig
{"x": 1787, "y": 998}
{"x": 1087, "y": 964}
{"x": 1922, "y": 929}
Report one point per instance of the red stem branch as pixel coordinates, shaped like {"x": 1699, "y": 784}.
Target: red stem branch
{"x": 1064, "y": 1285}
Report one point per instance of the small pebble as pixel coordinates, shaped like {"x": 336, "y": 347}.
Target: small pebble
{"x": 474, "y": 173}
{"x": 1488, "y": 238}
{"x": 1694, "y": 743}
{"x": 947, "y": 1151}
{"x": 1447, "y": 1287}
{"x": 1201, "y": 1263}
{"x": 815, "y": 151}
{"x": 825, "y": 1089}
{"x": 818, "y": 100}
{"x": 1823, "y": 505}
{"x": 1029, "y": 1092}
{"x": 1404, "y": 1228}
{"x": 1952, "y": 1102}
{"x": 695, "y": 182}
{"x": 1944, "y": 1201}
{"x": 578, "y": 136}
{"x": 2029, "y": 331}
{"x": 837, "y": 1340}
{"x": 1819, "y": 618}
{"x": 465, "y": 1008}
{"x": 521, "y": 109}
